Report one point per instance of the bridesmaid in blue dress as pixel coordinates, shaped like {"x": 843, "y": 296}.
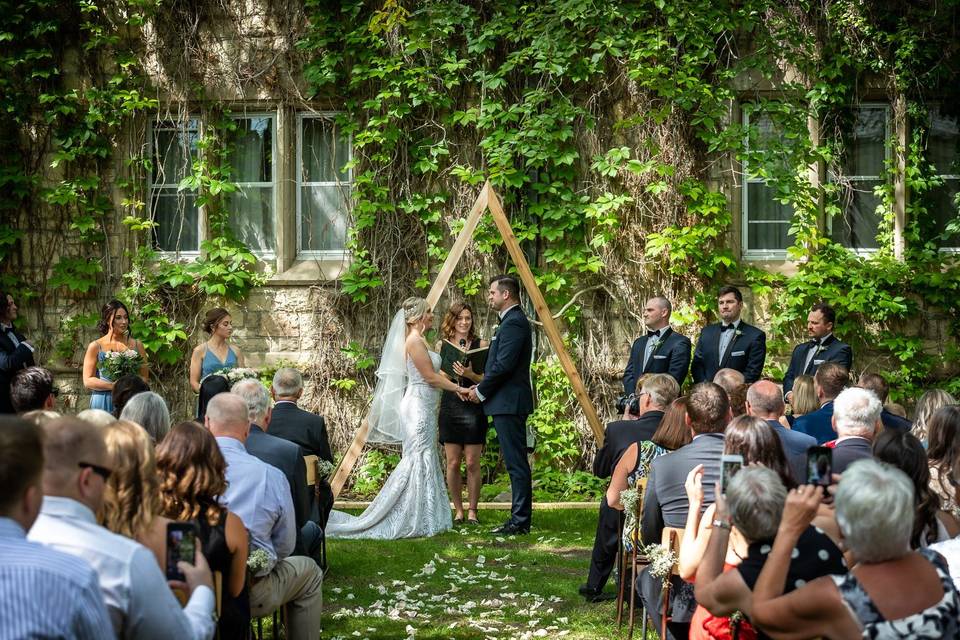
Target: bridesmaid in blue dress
{"x": 216, "y": 353}
{"x": 114, "y": 326}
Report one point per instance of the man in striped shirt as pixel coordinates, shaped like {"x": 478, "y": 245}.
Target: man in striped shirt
{"x": 43, "y": 593}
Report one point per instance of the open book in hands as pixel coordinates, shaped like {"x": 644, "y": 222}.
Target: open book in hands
{"x": 450, "y": 353}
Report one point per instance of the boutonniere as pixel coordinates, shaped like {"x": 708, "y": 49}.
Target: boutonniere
{"x": 737, "y": 333}
{"x": 656, "y": 345}
{"x": 820, "y": 348}
{"x": 496, "y": 328}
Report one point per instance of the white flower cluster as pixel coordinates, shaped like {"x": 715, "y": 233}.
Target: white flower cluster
{"x": 257, "y": 561}
{"x": 325, "y": 468}
{"x": 662, "y": 560}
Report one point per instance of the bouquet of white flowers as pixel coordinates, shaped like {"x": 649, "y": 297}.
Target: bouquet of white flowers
{"x": 257, "y": 561}
{"x": 662, "y": 559}
{"x": 235, "y": 374}
{"x": 116, "y": 364}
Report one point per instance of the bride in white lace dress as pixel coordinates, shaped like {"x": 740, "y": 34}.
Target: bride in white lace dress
{"x": 413, "y": 502}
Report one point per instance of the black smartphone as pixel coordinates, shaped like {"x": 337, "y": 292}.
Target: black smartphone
{"x": 181, "y": 545}
{"x": 820, "y": 466}
{"x": 729, "y": 465}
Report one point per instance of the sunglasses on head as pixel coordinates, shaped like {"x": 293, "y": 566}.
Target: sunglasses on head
{"x": 103, "y": 472}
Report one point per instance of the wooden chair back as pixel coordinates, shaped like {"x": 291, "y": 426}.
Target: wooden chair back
{"x": 671, "y": 539}
{"x": 311, "y": 464}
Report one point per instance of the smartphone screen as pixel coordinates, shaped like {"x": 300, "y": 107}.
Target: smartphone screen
{"x": 820, "y": 466}
{"x": 729, "y": 465}
{"x": 181, "y": 545}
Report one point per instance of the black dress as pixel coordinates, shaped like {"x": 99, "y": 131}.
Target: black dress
{"x": 234, "y": 611}
{"x": 462, "y": 422}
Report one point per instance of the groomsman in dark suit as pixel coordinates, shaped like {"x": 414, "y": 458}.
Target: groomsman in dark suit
{"x": 730, "y": 343}
{"x": 308, "y": 430}
{"x": 661, "y": 350}
{"x": 507, "y": 396}
{"x": 822, "y": 347}
{"x": 639, "y": 423}
{"x": 15, "y": 352}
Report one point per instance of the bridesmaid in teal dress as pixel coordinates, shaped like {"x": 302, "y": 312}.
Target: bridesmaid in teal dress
{"x": 114, "y": 326}
{"x": 216, "y": 353}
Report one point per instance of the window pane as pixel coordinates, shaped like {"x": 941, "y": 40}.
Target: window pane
{"x": 323, "y": 221}
{"x": 251, "y": 217}
{"x": 767, "y": 220}
{"x": 857, "y": 227}
{"x": 942, "y": 141}
{"x": 866, "y": 151}
{"x": 177, "y": 220}
{"x": 943, "y": 208}
{"x": 173, "y": 153}
{"x": 324, "y": 154}
{"x": 252, "y": 147}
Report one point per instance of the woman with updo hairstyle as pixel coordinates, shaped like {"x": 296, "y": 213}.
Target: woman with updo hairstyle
{"x": 216, "y": 353}
{"x": 193, "y": 479}
{"x": 114, "y": 329}
{"x": 131, "y": 501}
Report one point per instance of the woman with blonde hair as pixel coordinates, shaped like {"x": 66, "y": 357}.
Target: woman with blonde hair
{"x": 928, "y": 404}
{"x": 803, "y": 401}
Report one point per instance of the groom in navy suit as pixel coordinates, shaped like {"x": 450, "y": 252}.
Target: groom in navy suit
{"x": 662, "y": 350}
{"x": 730, "y": 343}
{"x": 822, "y": 347}
{"x": 506, "y": 395}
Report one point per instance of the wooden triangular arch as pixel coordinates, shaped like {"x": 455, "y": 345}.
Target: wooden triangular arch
{"x": 488, "y": 200}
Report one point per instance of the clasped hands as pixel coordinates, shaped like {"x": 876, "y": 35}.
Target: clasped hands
{"x": 469, "y": 395}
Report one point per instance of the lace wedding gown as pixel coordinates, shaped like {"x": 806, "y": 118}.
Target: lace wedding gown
{"x": 413, "y": 502}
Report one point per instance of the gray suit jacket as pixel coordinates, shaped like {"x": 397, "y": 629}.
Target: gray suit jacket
{"x": 665, "y": 502}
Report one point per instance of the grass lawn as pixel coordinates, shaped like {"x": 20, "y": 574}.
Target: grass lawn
{"x": 468, "y": 583}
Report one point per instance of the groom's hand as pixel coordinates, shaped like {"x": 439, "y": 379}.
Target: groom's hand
{"x": 472, "y": 395}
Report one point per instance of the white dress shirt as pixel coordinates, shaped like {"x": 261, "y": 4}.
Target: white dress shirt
{"x": 138, "y": 598}
{"x": 260, "y": 496}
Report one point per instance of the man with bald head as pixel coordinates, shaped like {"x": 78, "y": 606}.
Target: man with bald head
{"x": 765, "y": 401}
{"x": 260, "y": 495}
{"x": 661, "y": 350}
{"x": 138, "y": 598}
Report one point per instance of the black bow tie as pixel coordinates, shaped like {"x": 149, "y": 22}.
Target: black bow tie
{"x": 651, "y": 334}
{"x": 725, "y": 327}
{"x": 816, "y": 342}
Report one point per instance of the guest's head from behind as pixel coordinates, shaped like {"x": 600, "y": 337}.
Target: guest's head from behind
{"x": 148, "y": 410}
{"x": 820, "y": 320}
{"x": 8, "y": 309}
{"x": 32, "y": 389}
{"x": 943, "y": 450}
{"x": 21, "y": 470}
{"x": 755, "y": 498}
{"x": 830, "y": 379}
{"x": 804, "y": 398}
{"x": 114, "y": 319}
{"x": 503, "y": 292}
{"x": 124, "y": 388}
{"x": 729, "y": 304}
{"x": 211, "y": 386}
{"x": 228, "y": 416}
{"x": 673, "y": 432}
{"x": 758, "y": 442}
{"x": 76, "y": 462}
{"x": 765, "y": 400}
{"x": 708, "y": 408}
{"x": 458, "y": 320}
{"x": 40, "y": 417}
{"x": 875, "y": 511}
{"x": 417, "y": 313}
{"x": 218, "y": 322}
{"x": 729, "y": 379}
{"x": 856, "y": 412}
{"x": 656, "y": 313}
{"x": 287, "y": 384}
{"x": 927, "y": 405}
{"x": 657, "y": 392}
{"x": 131, "y": 501}
{"x": 904, "y": 451}
{"x": 738, "y": 400}
{"x": 258, "y": 401}
{"x": 192, "y": 474}
{"x": 875, "y": 383}
{"x": 97, "y": 417}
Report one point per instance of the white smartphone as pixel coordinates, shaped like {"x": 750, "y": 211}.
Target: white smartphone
{"x": 729, "y": 465}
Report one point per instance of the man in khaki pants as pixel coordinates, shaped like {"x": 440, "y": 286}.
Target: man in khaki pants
{"x": 260, "y": 495}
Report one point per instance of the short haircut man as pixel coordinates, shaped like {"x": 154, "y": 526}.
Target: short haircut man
{"x": 765, "y": 400}
{"x": 258, "y": 400}
{"x": 661, "y": 388}
{"x": 708, "y": 408}
{"x": 831, "y": 378}
{"x": 507, "y": 284}
{"x": 829, "y": 315}
{"x": 729, "y": 379}
{"x": 31, "y": 389}
{"x": 856, "y": 419}
{"x": 287, "y": 383}
{"x": 727, "y": 290}
{"x": 876, "y": 383}
{"x": 755, "y": 498}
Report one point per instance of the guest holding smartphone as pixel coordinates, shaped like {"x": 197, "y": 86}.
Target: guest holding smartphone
{"x": 216, "y": 353}
{"x": 115, "y": 344}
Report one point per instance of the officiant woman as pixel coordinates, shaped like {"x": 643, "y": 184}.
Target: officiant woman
{"x": 114, "y": 328}
{"x": 463, "y": 427}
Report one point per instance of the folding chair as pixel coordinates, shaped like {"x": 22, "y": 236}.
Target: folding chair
{"x": 672, "y": 537}
{"x": 313, "y": 479}
{"x": 636, "y": 561}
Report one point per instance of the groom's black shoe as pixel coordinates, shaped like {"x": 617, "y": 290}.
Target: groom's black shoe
{"x": 510, "y": 529}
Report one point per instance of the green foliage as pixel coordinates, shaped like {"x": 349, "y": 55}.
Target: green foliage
{"x": 372, "y": 472}
{"x": 558, "y": 441}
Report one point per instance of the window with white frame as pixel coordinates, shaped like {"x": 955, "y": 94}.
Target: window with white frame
{"x": 766, "y": 216}
{"x": 173, "y": 147}
{"x": 252, "y": 207}
{"x": 323, "y": 186}
{"x": 943, "y": 151}
{"x": 864, "y": 156}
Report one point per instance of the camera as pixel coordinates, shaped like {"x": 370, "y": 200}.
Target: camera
{"x": 629, "y": 403}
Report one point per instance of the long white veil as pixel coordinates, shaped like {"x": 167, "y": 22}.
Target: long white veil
{"x": 386, "y": 427}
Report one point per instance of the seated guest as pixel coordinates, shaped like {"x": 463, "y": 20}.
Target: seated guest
{"x": 308, "y": 430}
{"x": 738, "y": 401}
{"x": 211, "y": 386}
{"x": 148, "y": 410}
{"x": 43, "y": 593}
{"x": 752, "y": 507}
{"x": 856, "y": 419}
{"x": 879, "y": 386}
{"x": 284, "y": 455}
{"x": 765, "y": 401}
{"x": 657, "y": 392}
{"x": 32, "y": 389}
{"x": 943, "y": 454}
{"x": 140, "y": 603}
{"x": 96, "y": 417}
{"x": 830, "y": 380}
{"x": 40, "y": 417}
{"x": 902, "y": 450}
{"x": 15, "y": 352}
{"x": 896, "y": 409}
{"x": 928, "y": 404}
{"x": 125, "y": 388}
{"x": 131, "y": 501}
{"x": 729, "y": 379}
{"x": 192, "y": 482}
{"x": 804, "y": 400}
{"x": 822, "y": 347}
{"x": 259, "y": 494}
{"x": 891, "y": 592}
